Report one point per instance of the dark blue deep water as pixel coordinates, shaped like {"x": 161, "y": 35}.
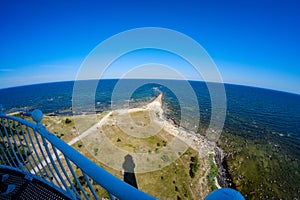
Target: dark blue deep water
{"x": 261, "y": 135}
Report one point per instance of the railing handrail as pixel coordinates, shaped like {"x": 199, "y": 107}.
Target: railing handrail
{"x": 112, "y": 184}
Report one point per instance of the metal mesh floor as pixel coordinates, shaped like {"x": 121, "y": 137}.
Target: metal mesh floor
{"x": 29, "y": 189}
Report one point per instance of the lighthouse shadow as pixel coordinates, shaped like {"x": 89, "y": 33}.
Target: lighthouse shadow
{"x": 128, "y": 167}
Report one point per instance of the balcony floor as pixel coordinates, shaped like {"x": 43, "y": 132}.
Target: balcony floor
{"x": 29, "y": 189}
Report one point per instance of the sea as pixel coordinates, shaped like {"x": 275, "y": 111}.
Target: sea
{"x": 260, "y": 138}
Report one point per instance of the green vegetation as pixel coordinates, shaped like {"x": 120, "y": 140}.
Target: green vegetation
{"x": 96, "y": 151}
{"x": 164, "y": 143}
{"x": 194, "y": 166}
{"x": 18, "y": 115}
{"x": 59, "y": 135}
{"x": 68, "y": 121}
{"x": 99, "y": 191}
{"x": 213, "y": 173}
{"x": 165, "y": 158}
{"x": 176, "y": 188}
{"x": 254, "y": 158}
{"x": 157, "y": 115}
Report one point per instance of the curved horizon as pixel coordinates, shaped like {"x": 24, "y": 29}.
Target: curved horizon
{"x": 225, "y": 83}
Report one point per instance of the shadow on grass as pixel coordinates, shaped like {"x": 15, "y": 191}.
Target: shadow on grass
{"x": 128, "y": 167}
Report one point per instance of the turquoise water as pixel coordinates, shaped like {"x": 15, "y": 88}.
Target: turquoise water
{"x": 261, "y": 134}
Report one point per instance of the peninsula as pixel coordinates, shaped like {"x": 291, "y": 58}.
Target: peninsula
{"x": 170, "y": 162}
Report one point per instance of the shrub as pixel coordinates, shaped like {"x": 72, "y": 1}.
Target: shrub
{"x": 176, "y": 188}
{"x": 194, "y": 166}
{"x": 68, "y": 121}
{"x": 164, "y": 143}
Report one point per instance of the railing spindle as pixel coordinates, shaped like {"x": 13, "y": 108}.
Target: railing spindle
{"x": 29, "y": 149}
{"x": 9, "y": 143}
{"x": 4, "y": 153}
{"x": 46, "y": 160}
{"x": 38, "y": 157}
{"x": 90, "y": 185}
{"x": 54, "y": 165}
{"x": 75, "y": 178}
{"x": 64, "y": 171}
{"x": 22, "y": 146}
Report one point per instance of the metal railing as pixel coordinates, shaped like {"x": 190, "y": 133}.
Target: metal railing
{"x": 31, "y": 149}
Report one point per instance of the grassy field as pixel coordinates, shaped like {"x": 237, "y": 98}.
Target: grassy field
{"x": 186, "y": 177}
{"x": 171, "y": 182}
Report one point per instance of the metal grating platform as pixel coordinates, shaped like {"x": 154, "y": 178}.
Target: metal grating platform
{"x": 27, "y": 189}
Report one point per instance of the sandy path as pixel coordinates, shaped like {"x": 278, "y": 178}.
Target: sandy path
{"x": 73, "y": 141}
{"x": 155, "y": 103}
{"x": 90, "y": 130}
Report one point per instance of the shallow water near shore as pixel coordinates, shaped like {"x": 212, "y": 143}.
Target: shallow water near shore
{"x": 261, "y": 141}
{"x": 261, "y": 135}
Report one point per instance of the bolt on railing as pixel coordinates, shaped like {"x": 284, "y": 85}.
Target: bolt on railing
{"x": 36, "y": 152}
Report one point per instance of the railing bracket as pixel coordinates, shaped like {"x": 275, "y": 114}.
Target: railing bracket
{"x": 28, "y": 177}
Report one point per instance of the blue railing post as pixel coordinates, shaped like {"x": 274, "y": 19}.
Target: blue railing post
{"x": 37, "y": 116}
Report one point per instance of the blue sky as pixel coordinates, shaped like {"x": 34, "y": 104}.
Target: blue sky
{"x": 252, "y": 42}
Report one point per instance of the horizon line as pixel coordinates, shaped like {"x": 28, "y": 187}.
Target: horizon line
{"x": 116, "y": 78}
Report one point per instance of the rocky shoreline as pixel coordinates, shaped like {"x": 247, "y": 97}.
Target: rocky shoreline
{"x": 224, "y": 178}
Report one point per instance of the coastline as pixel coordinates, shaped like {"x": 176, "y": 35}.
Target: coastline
{"x": 195, "y": 140}
{"x": 198, "y": 142}
{"x": 224, "y": 178}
